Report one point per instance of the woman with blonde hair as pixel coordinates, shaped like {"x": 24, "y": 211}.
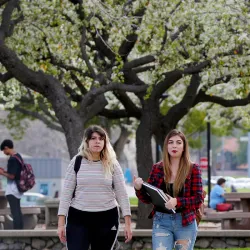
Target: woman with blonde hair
{"x": 181, "y": 180}
{"x": 88, "y": 206}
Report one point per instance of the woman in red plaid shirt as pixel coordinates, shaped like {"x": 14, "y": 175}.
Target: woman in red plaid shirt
{"x": 181, "y": 179}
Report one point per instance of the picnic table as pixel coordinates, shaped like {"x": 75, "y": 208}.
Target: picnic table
{"x": 236, "y": 219}
{"x": 29, "y": 214}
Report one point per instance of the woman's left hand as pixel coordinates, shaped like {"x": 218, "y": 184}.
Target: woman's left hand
{"x": 171, "y": 204}
{"x": 128, "y": 233}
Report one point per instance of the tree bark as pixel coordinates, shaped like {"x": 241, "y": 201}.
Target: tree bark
{"x": 121, "y": 141}
{"x": 144, "y": 156}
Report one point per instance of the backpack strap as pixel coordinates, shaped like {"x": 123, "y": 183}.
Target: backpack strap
{"x": 77, "y": 166}
{"x": 77, "y": 163}
{"x": 19, "y": 160}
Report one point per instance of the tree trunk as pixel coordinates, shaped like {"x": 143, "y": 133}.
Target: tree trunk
{"x": 144, "y": 163}
{"x": 121, "y": 141}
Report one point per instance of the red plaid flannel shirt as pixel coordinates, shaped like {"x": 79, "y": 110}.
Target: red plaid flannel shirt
{"x": 192, "y": 195}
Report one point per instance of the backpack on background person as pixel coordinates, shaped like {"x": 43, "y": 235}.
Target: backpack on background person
{"x": 27, "y": 177}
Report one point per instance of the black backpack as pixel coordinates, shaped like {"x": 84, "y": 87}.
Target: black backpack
{"x": 77, "y": 167}
{"x": 77, "y": 163}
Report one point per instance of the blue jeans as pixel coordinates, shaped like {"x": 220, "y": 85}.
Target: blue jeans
{"x": 168, "y": 232}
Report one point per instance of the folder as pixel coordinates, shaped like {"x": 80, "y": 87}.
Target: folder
{"x": 158, "y": 197}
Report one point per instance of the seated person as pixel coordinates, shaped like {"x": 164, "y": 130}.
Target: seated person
{"x": 217, "y": 193}
{"x": 233, "y": 188}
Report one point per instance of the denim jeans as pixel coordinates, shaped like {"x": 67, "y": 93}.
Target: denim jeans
{"x": 168, "y": 232}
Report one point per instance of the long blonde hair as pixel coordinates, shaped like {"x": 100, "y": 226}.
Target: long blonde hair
{"x": 107, "y": 155}
{"x": 184, "y": 166}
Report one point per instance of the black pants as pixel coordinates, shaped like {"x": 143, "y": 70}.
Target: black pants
{"x": 15, "y": 210}
{"x": 96, "y": 229}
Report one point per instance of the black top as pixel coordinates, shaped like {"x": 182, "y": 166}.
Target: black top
{"x": 14, "y": 166}
{"x": 170, "y": 192}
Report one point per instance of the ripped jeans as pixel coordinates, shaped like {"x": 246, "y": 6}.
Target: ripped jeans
{"x": 168, "y": 232}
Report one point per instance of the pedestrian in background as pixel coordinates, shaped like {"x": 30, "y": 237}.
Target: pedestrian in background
{"x": 217, "y": 193}
{"x": 13, "y": 175}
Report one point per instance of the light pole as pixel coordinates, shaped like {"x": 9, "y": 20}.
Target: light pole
{"x": 208, "y": 161}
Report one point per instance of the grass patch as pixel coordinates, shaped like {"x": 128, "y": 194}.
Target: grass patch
{"x": 133, "y": 201}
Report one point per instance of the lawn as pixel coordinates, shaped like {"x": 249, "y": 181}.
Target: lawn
{"x": 133, "y": 200}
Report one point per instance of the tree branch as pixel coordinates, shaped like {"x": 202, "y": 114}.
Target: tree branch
{"x": 84, "y": 54}
{"x": 177, "y": 33}
{"x": 121, "y": 141}
{"x": 166, "y": 30}
{"x": 127, "y": 103}
{"x": 7, "y": 25}
{"x": 74, "y": 96}
{"x": 139, "y": 62}
{"x": 129, "y": 43}
{"x": 79, "y": 84}
{"x": 178, "y": 111}
{"x": 45, "y": 110}
{"x": 202, "y": 97}
{"x": 92, "y": 94}
{"x": 117, "y": 114}
{"x": 2, "y": 2}
{"x": 170, "y": 79}
{"x": 94, "y": 108}
{"x": 5, "y": 77}
{"x": 143, "y": 69}
{"x": 57, "y": 62}
{"x": 39, "y": 117}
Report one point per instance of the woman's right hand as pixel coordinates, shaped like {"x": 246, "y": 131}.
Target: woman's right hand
{"x": 138, "y": 183}
{"x": 61, "y": 233}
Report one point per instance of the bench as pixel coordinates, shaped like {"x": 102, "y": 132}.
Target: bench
{"x": 235, "y": 201}
{"x": 29, "y": 217}
{"x": 51, "y": 210}
{"x": 2, "y": 220}
{"x": 228, "y": 219}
